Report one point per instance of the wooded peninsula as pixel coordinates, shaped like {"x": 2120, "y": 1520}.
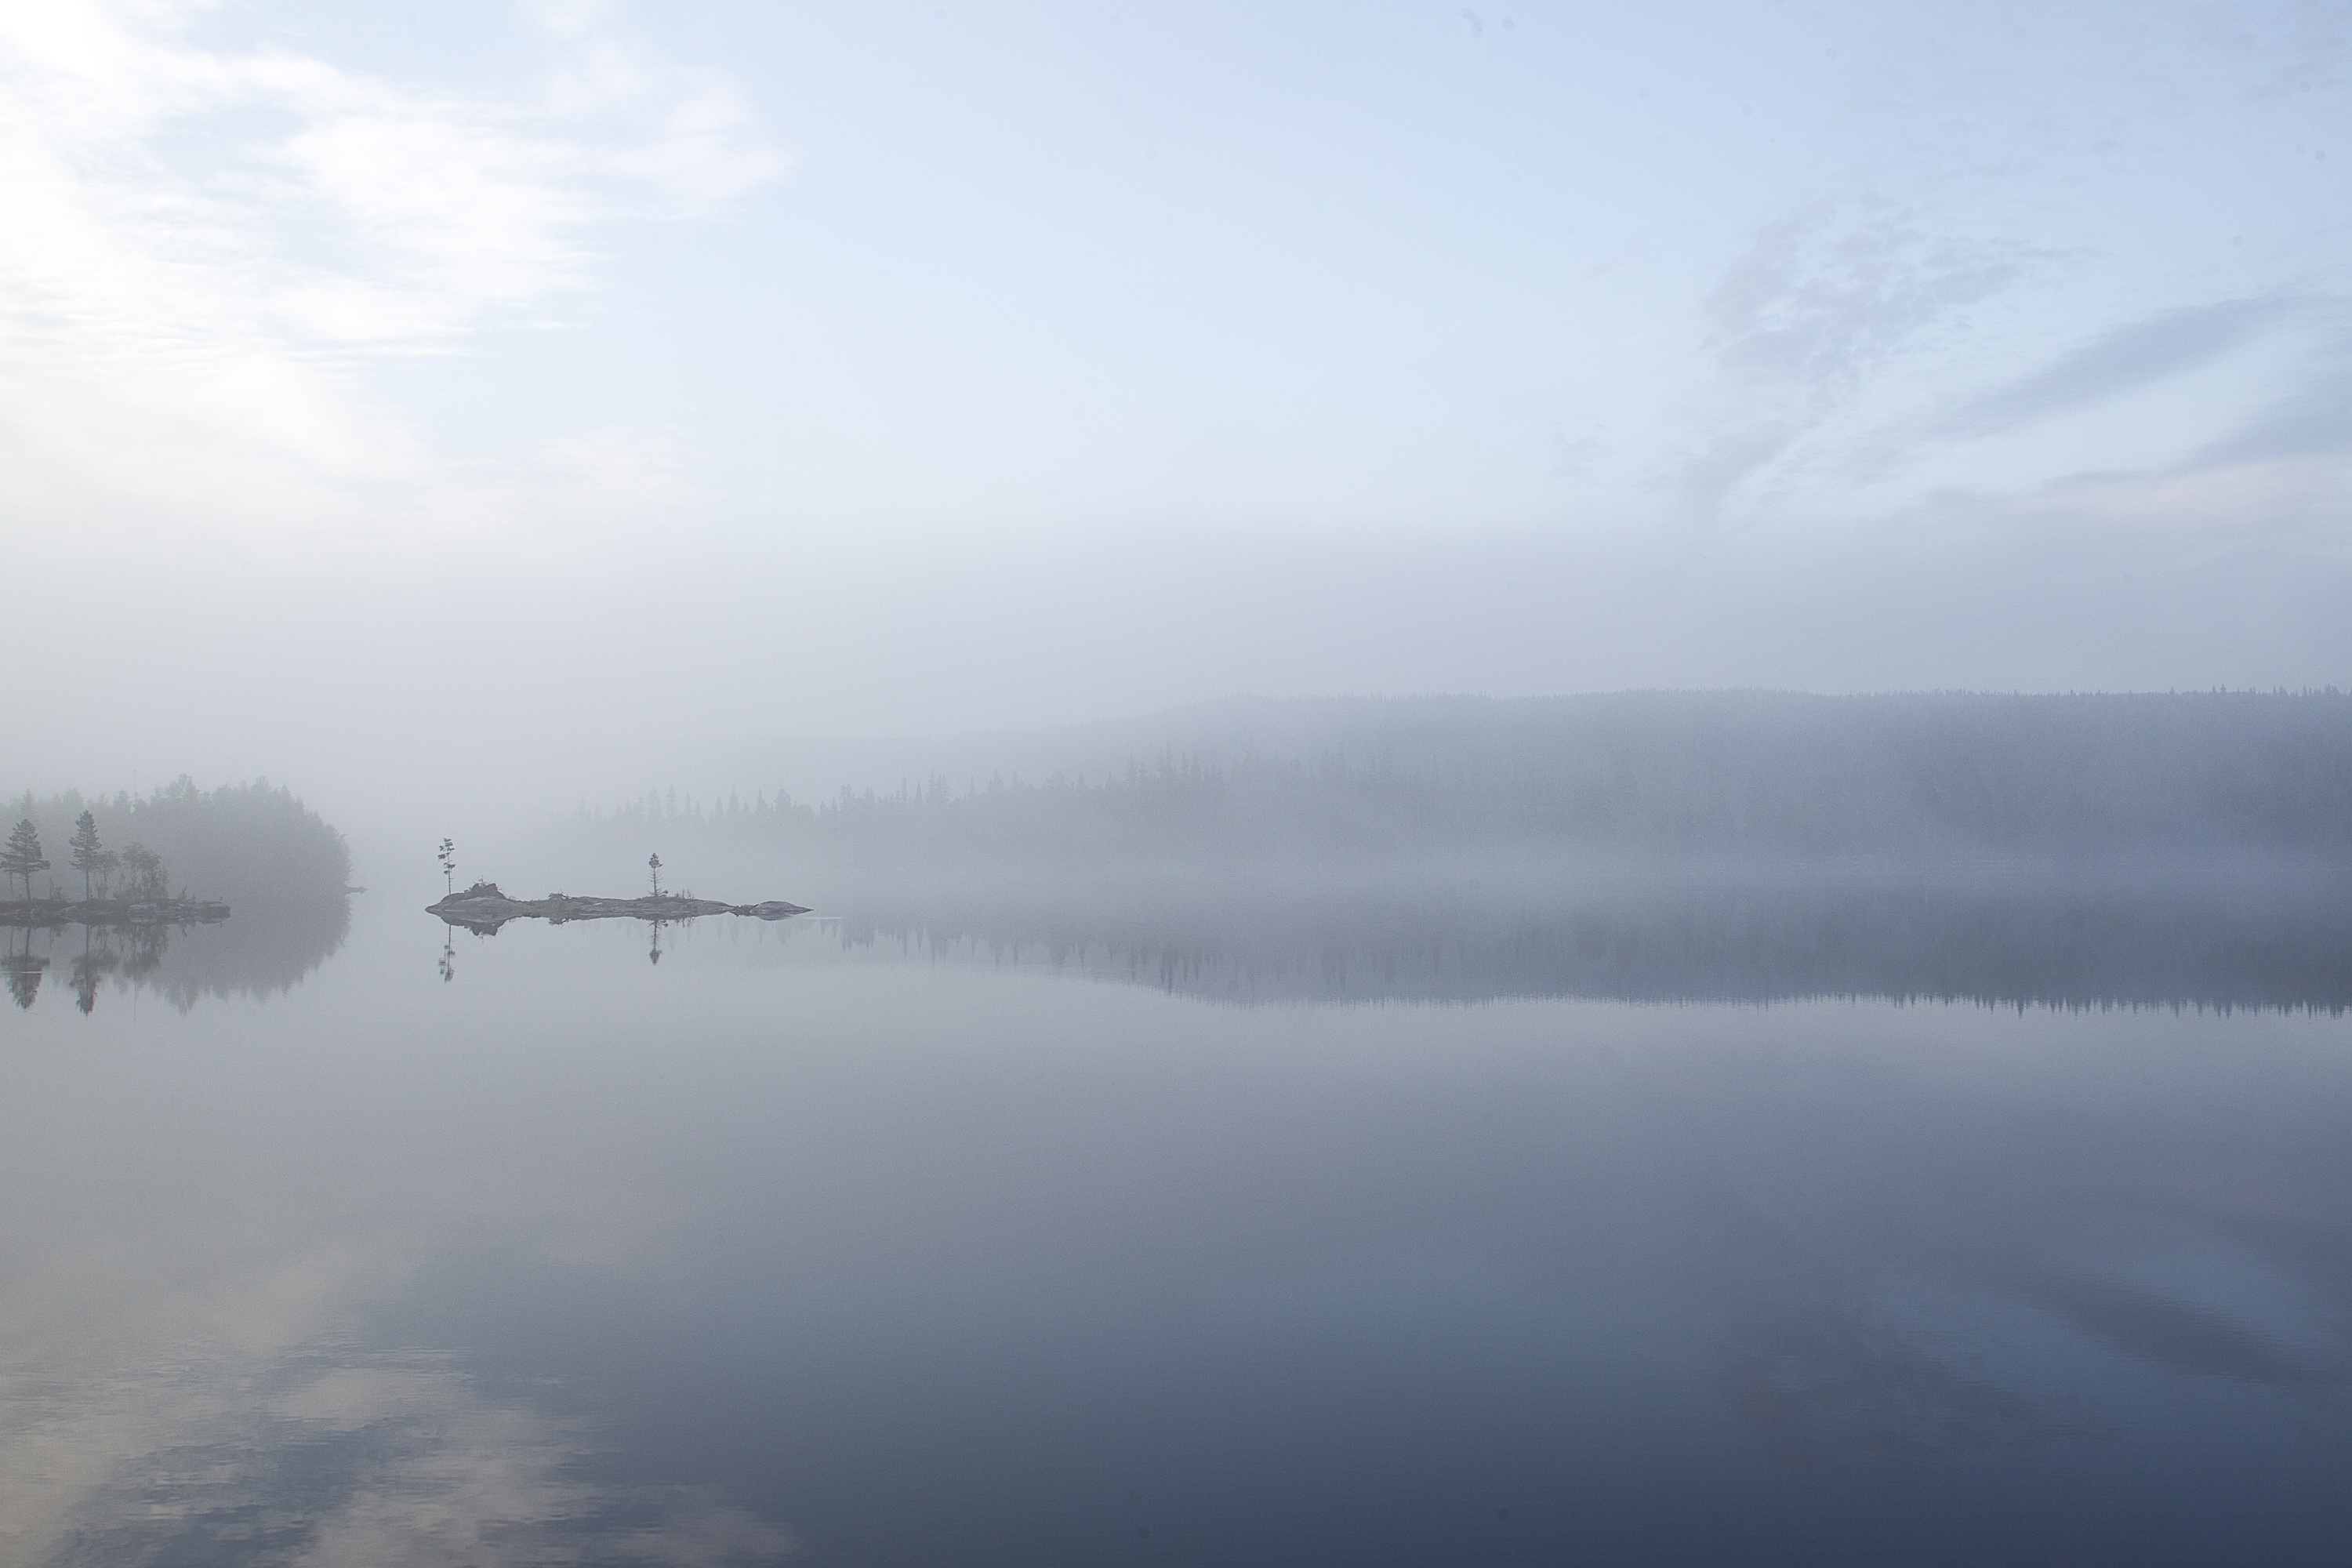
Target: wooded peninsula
{"x": 178, "y": 855}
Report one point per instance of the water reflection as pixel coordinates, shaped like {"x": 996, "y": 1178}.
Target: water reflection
{"x": 257, "y": 951}
{"x": 24, "y": 971}
{"x": 880, "y": 1242}
{"x": 2266, "y": 941}
{"x": 335, "y": 1456}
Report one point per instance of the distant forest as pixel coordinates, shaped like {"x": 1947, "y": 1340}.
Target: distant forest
{"x": 252, "y": 843}
{"x": 1714, "y": 773}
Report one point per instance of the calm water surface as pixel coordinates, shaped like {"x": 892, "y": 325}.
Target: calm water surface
{"x": 1768, "y": 1227}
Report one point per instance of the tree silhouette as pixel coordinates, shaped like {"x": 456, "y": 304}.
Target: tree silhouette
{"x": 24, "y": 977}
{"x": 147, "y": 880}
{"x": 653, "y": 864}
{"x": 448, "y": 857}
{"x": 88, "y": 854}
{"x": 23, "y": 857}
{"x": 24, "y": 971}
{"x": 93, "y": 964}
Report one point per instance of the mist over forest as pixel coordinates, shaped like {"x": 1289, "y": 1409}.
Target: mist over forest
{"x": 1741, "y": 774}
{"x": 246, "y": 843}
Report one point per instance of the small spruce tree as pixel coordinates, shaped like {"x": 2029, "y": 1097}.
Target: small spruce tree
{"x": 23, "y": 857}
{"x": 88, "y": 854}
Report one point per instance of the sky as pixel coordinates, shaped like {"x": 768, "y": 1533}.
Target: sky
{"x": 380, "y": 382}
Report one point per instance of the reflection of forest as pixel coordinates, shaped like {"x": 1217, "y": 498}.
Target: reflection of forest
{"x": 2154, "y": 942}
{"x": 257, "y": 954}
{"x": 25, "y": 972}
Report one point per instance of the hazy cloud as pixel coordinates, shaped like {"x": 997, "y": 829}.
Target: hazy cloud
{"x": 207, "y": 247}
{"x": 1817, "y": 306}
{"x": 2120, "y": 361}
{"x": 2311, "y": 418}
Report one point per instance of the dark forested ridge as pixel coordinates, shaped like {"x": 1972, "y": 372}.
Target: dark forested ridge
{"x": 248, "y": 844}
{"x": 1933, "y": 775}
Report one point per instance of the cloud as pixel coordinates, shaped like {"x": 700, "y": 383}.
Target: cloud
{"x": 2311, "y": 418}
{"x": 2218, "y": 421}
{"x": 1817, "y": 307}
{"x": 2123, "y": 359}
{"x": 208, "y": 251}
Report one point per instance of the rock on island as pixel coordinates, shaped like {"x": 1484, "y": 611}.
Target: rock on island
{"x": 483, "y": 908}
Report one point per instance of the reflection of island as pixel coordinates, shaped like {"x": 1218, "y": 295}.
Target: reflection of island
{"x": 120, "y": 936}
{"x": 35, "y": 914}
{"x": 254, "y": 846}
{"x": 265, "y": 950}
{"x": 25, "y": 972}
{"x": 2153, "y": 941}
{"x": 483, "y": 909}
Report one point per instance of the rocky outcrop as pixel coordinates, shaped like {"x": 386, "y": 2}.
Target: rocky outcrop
{"x": 483, "y": 908}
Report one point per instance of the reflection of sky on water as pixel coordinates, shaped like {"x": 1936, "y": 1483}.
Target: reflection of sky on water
{"x": 910, "y": 1259}
{"x": 338, "y": 1457}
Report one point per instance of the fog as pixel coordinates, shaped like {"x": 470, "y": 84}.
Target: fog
{"x": 1472, "y": 769}
{"x": 435, "y": 410}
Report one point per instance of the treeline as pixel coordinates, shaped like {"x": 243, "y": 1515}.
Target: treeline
{"x": 251, "y": 843}
{"x": 1707, "y": 774}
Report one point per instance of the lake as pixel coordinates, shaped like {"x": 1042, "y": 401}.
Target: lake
{"x": 1448, "y": 1219}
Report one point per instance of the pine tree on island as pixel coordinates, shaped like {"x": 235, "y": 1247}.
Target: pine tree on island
{"x": 88, "y": 854}
{"x": 23, "y": 857}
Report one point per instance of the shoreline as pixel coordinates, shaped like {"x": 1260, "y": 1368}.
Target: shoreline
{"x": 36, "y": 913}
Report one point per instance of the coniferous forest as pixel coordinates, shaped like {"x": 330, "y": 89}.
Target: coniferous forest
{"x": 248, "y": 844}
{"x": 1927, "y": 776}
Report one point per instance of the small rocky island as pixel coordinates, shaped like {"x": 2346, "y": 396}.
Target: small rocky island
{"x": 483, "y": 908}
{"x": 146, "y": 901}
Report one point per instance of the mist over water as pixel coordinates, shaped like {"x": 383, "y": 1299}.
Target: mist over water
{"x": 1250, "y": 1227}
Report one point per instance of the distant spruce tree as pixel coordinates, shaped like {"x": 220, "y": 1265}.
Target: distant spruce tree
{"x": 447, "y": 855}
{"x": 23, "y": 857}
{"x": 88, "y": 854}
